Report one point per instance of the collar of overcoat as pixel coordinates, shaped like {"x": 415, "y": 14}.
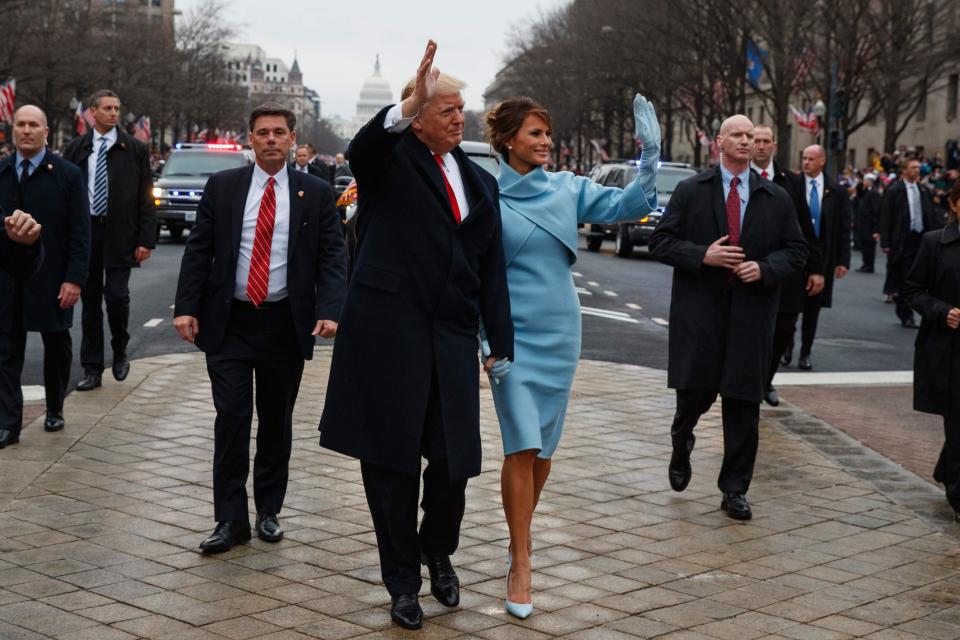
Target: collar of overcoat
{"x": 719, "y": 209}
{"x": 951, "y": 232}
{"x": 481, "y": 202}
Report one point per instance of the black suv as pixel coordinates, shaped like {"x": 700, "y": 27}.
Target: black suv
{"x": 627, "y": 235}
{"x": 176, "y": 193}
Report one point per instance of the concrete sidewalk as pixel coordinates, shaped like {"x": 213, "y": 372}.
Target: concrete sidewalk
{"x": 101, "y": 524}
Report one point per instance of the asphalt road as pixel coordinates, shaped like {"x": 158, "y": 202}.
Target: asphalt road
{"x": 626, "y": 308}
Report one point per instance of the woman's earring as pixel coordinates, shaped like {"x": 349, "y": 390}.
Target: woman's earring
{"x": 509, "y": 147}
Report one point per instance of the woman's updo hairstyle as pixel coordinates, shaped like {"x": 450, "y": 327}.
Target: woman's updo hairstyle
{"x": 953, "y": 198}
{"x": 505, "y": 119}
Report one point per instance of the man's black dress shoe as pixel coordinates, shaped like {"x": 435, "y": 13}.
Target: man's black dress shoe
{"x": 268, "y": 529}
{"x": 8, "y": 437}
{"x": 444, "y": 583}
{"x": 121, "y": 368}
{"x": 909, "y": 323}
{"x": 865, "y": 270}
{"x": 786, "y": 358}
{"x": 54, "y": 421}
{"x": 228, "y": 534}
{"x": 804, "y": 363}
{"x": 405, "y": 611}
{"x": 736, "y": 506}
{"x": 680, "y": 470}
{"x": 90, "y": 381}
{"x": 772, "y": 396}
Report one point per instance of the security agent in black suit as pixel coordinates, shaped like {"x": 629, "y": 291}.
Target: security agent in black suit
{"x": 866, "y": 224}
{"x": 906, "y": 213}
{"x": 263, "y": 273}
{"x": 796, "y": 288}
{"x": 21, "y": 255}
{"x": 302, "y": 163}
{"x": 421, "y": 282}
{"x": 123, "y": 232}
{"x": 724, "y": 303}
{"x": 52, "y": 190}
{"x": 829, "y": 208}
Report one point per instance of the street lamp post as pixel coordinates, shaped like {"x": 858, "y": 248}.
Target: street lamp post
{"x": 820, "y": 110}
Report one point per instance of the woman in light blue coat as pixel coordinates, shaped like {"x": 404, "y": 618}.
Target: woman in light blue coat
{"x": 540, "y": 212}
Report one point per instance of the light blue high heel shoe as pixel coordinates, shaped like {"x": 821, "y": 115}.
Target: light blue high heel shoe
{"x": 516, "y": 609}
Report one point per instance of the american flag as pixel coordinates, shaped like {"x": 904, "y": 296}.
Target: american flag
{"x": 806, "y": 120}
{"x": 802, "y": 66}
{"x": 8, "y": 96}
{"x": 141, "y": 129}
{"x": 79, "y": 120}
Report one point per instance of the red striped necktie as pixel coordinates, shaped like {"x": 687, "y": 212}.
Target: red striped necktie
{"x": 258, "y": 280}
{"x": 450, "y": 194}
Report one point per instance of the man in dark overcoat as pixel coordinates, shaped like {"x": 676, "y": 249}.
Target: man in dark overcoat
{"x": 866, "y": 224}
{"x": 829, "y": 208}
{"x": 906, "y": 212}
{"x": 731, "y": 237}
{"x": 795, "y": 288}
{"x": 52, "y": 190}
{"x": 123, "y": 232}
{"x": 429, "y": 265}
{"x": 263, "y": 273}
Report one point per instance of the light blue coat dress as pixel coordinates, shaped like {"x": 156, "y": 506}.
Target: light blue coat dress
{"x": 540, "y": 212}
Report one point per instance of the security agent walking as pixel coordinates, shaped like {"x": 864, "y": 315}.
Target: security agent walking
{"x": 867, "y": 221}
{"x": 906, "y": 213}
{"x": 829, "y": 208}
{"x": 429, "y": 265}
{"x": 123, "y": 232}
{"x": 263, "y": 274}
{"x": 52, "y": 190}
{"x": 731, "y": 238}
{"x": 796, "y": 288}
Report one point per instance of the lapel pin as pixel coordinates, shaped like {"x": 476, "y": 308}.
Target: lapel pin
{"x": 49, "y": 167}
{"x": 300, "y": 193}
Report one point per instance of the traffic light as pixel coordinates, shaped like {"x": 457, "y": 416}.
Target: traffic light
{"x": 838, "y": 106}
{"x": 836, "y": 141}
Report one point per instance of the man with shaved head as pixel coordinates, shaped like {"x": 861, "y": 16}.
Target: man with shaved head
{"x": 798, "y": 287}
{"x": 51, "y": 190}
{"x": 732, "y": 238}
{"x": 829, "y": 208}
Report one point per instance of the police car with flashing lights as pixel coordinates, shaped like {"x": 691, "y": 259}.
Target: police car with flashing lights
{"x": 627, "y": 235}
{"x": 176, "y": 193}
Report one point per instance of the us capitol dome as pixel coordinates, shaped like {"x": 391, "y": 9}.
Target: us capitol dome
{"x": 374, "y": 95}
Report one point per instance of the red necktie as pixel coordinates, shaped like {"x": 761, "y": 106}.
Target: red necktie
{"x": 258, "y": 279}
{"x": 763, "y": 174}
{"x": 733, "y": 212}
{"x": 446, "y": 183}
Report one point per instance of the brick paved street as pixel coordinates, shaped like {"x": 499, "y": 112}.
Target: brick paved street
{"x": 101, "y": 524}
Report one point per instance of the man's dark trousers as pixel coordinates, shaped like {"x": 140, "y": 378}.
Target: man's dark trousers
{"x": 392, "y": 497}
{"x": 741, "y": 434}
{"x": 808, "y": 325}
{"x": 783, "y": 333}
{"x": 57, "y": 358}
{"x": 911, "y": 244}
{"x": 868, "y": 251}
{"x": 104, "y": 284}
{"x": 259, "y": 344}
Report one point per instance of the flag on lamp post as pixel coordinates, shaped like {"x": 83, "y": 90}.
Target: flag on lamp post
{"x": 141, "y": 129}
{"x": 8, "y": 96}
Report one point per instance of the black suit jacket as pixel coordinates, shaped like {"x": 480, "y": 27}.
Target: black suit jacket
{"x": 721, "y": 330}
{"x": 56, "y": 197}
{"x": 867, "y": 221}
{"x": 793, "y": 289}
{"x": 316, "y": 265}
{"x": 895, "y": 219}
{"x": 312, "y": 170}
{"x": 131, "y": 217}
{"x": 834, "y": 240}
{"x": 419, "y": 287}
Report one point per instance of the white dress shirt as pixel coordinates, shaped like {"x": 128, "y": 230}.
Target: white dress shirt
{"x": 277, "y": 287}
{"x": 760, "y": 170}
{"x": 819, "y": 180}
{"x": 396, "y": 123}
{"x": 913, "y": 202}
{"x": 111, "y": 137}
{"x": 304, "y": 169}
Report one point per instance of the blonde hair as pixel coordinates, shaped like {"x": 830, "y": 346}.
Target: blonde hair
{"x": 446, "y": 84}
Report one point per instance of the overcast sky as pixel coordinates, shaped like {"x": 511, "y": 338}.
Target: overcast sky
{"x": 336, "y": 41}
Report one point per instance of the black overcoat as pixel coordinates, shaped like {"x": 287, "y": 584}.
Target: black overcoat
{"x": 932, "y": 289}
{"x": 131, "y": 218}
{"x": 419, "y": 286}
{"x": 867, "y": 219}
{"x": 55, "y": 196}
{"x": 316, "y": 265}
{"x": 834, "y": 240}
{"x": 18, "y": 260}
{"x": 793, "y": 288}
{"x": 721, "y": 329}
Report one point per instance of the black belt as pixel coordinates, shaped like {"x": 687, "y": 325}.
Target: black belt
{"x": 98, "y": 219}
{"x": 263, "y": 306}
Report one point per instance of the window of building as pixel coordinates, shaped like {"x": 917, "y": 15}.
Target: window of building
{"x": 157, "y": 3}
{"x": 750, "y": 113}
{"x": 762, "y": 115}
{"x": 952, "y": 97}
